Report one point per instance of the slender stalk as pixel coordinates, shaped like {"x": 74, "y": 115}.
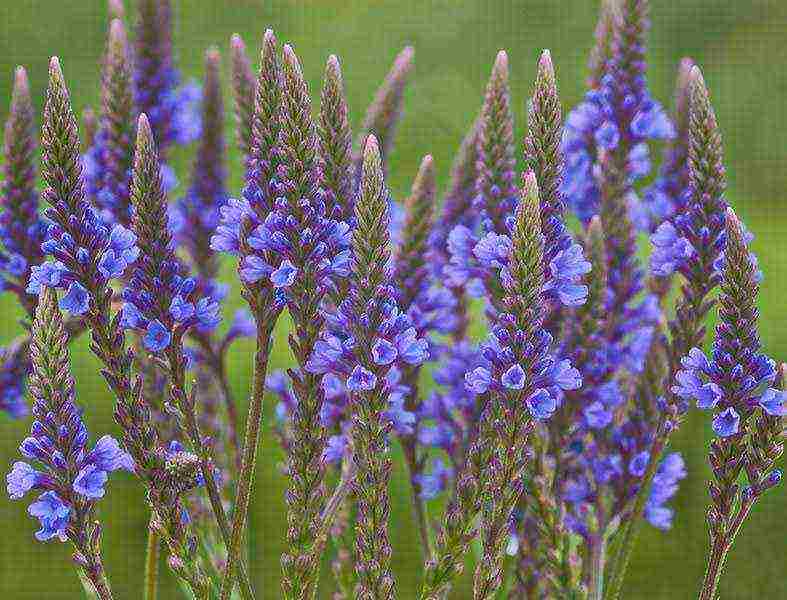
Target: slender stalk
{"x": 419, "y": 505}
{"x": 597, "y": 557}
{"x": 250, "y": 446}
{"x": 152, "y": 564}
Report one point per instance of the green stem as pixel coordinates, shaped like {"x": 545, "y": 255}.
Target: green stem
{"x": 717, "y": 557}
{"x": 186, "y": 404}
{"x": 250, "y": 447}
{"x": 419, "y": 506}
{"x": 152, "y": 565}
{"x": 618, "y": 568}
{"x": 597, "y": 557}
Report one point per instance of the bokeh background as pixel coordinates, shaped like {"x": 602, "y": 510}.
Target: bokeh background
{"x": 742, "y": 46}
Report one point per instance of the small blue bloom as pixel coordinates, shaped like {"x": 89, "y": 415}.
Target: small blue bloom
{"x": 181, "y": 309}
{"x": 21, "y": 479}
{"x": 77, "y": 299}
{"x": 726, "y": 423}
{"x": 478, "y": 380}
{"x": 607, "y": 136}
{"x": 157, "y": 337}
{"x": 434, "y": 482}
{"x": 597, "y": 416}
{"x": 773, "y": 402}
{"x": 253, "y": 269}
{"x": 361, "y": 379}
{"x": 285, "y": 275}
{"x": 111, "y": 264}
{"x": 639, "y": 464}
{"x": 90, "y": 482}
{"x": 53, "y": 514}
{"x": 513, "y": 378}
{"x": 335, "y": 449}
{"x": 383, "y": 352}
{"x": 541, "y": 404}
{"x": 207, "y": 313}
{"x": 107, "y": 455}
{"x": 412, "y": 349}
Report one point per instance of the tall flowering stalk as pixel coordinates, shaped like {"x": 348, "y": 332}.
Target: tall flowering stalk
{"x": 239, "y": 220}
{"x": 73, "y": 476}
{"x": 690, "y": 243}
{"x": 385, "y": 111}
{"x": 109, "y": 160}
{"x": 163, "y": 303}
{"x": 243, "y": 93}
{"x": 525, "y": 382}
{"x": 411, "y": 276}
{"x": 87, "y": 255}
{"x": 457, "y": 209}
{"x": 21, "y": 233}
{"x": 736, "y": 385}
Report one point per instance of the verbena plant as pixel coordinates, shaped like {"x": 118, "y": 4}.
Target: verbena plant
{"x": 548, "y": 439}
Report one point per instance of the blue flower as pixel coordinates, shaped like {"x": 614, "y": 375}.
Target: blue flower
{"x": 773, "y": 402}
{"x": 285, "y": 275}
{"x": 607, "y": 136}
{"x": 597, "y": 416}
{"x": 431, "y": 484}
{"x": 383, "y": 352}
{"x": 53, "y": 514}
{"x": 412, "y": 349}
{"x": 670, "y": 250}
{"x": 77, "y": 299}
{"x": 107, "y": 455}
{"x": 639, "y": 464}
{"x": 726, "y": 423}
{"x": 335, "y": 449}
{"x": 514, "y": 378}
{"x": 207, "y": 313}
{"x": 90, "y": 482}
{"x": 478, "y": 380}
{"x": 157, "y": 337}
{"x": 21, "y": 479}
{"x": 181, "y": 309}
{"x": 111, "y": 265}
{"x": 541, "y": 404}
{"x": 361, "y": 379}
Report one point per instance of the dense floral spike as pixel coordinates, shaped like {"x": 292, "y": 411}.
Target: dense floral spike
{"x": 336, "y": 143}
{"x": 457, "y": 209}
{"x": 71, "y": 476}
{"x": 372, "y": 303}
{"x": 691, "y": 243}
{"x": 667, "y": 197}
{"x": 197, "y": 214}
{"x": 243, "y": 92}
{"x": 384, "y": 113}
{"x": 87, "y": 257}
{"x": 525, "y": 382}
{"x": 161, "y": 301}
{"x": 21, "y": 229}
{"x": 496, "y": 188}
{"x": 736, "y": 385}
{"x": 601, "y": 53}
{"x": 108, "y": 162}
{"x": 430, "y": 310}
{"x": 239, "y": 219}
{"x": 173, "y": 112}
{"x": 313, "y": 251}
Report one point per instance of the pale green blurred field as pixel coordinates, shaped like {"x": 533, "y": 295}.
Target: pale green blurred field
{"x": 742, "y": 47}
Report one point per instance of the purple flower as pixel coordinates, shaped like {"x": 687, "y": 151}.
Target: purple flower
{"x": 639, "y": 464}
{"x": 285, "y": 275}
{"x": 383, "y": 352}
{"x": 726, "y": 423}
{"x": 514, "y": 378}
{"x": 435, "y": 481}
{"x": 90, "y": 482}
{"x": 478, "y": 380}
{"x": 21, "y": 479}
{"x": 157, "y": 337}
{"x": 180, "y": 309}
{"x": 597, "y": 416}
{"x": 361, "y": 379}
{"x": 53, "y": 514}
{"x": 77, "y": 299}
{"x": 541, "y": 404}
{"x": 773, "y": 402}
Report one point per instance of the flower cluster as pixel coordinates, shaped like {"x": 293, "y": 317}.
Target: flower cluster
{"x": 160, "y": 299}
{"x": 70, "y": 475}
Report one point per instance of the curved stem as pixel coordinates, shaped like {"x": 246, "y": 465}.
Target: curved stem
{"x": 152, "y": 565}
{"x": 618, "y": 569}
{"x": 250, "y": 447}
{"x": 186, "y": 405}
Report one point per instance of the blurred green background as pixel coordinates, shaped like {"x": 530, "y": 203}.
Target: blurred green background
{"x": 742, "y": 47}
